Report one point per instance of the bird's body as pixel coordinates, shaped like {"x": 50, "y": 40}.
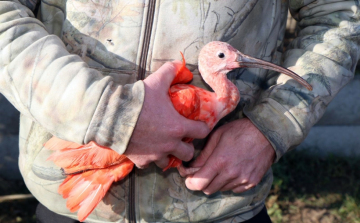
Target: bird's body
{"x": 198, "y": 104}
{"x": 91, "y": 169}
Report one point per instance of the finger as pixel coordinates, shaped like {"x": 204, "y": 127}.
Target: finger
{"x": 166, "y": 74}
{"x": 185, "y": 151}
{"x": 235, "y": 184}
{"x": 201, "y": 179}
{"x": 187, "y": 171}
{"x": 140, "y": 161}
{"x": 162, "y": 163}
{"x": 207, "y": 151}
{"x": 142, "y": 166}
{"x": 243, "y": 188}
{"x": 177, "y": 64}
{"x": 216, "y": 184}
{"x": 195, "y": 129}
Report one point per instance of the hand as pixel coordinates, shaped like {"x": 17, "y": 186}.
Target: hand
{"x": 235, "y": 158}
{"x": 160, "y": 128}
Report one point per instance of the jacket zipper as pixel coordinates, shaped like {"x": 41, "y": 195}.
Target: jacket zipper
{"x": 147, "y": 37}
{"x": 141, "y": 76}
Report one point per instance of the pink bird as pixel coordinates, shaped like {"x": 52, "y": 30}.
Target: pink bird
{"x": 91, "y": 168}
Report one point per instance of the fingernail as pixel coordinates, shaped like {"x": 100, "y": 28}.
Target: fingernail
{"x": 188, "y": 181}
{"x": 207, "y": 193}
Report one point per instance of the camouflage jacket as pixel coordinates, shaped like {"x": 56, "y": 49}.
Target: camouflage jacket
{"x": 72, "y": 68}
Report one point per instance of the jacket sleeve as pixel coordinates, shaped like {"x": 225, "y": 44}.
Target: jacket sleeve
{"x": 325, "y": 53}
{"x": 57, "y": 89}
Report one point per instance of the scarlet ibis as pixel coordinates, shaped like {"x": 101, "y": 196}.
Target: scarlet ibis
{"x": 91, "y": 168}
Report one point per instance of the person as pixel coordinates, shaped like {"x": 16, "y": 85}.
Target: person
{"x": 80, "y": 70}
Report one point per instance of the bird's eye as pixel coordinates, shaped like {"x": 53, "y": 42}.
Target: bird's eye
{"x": 221, "y": 55}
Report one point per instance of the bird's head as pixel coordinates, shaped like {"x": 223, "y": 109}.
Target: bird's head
{"x": 219, "y": 58}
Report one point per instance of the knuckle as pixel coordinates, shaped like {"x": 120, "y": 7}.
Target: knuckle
{"x": 167, "y": 148}
{"x": 232, "y": 174}
{"x": 245, "y": 181}
{"x": 142, "y": 164}
{"x": 189, "y": 155}
{"x": 248, "y": 187}
{"x": 173, "y": 148}
{"x": 178, "y": 131}
{"x": 220, "y": 163}
{"x": 157, "y": 157}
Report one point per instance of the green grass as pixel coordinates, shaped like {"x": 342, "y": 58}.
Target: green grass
{"x": 312, "y": 189}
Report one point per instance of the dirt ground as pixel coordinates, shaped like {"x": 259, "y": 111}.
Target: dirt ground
{"x": 19, "y": 210}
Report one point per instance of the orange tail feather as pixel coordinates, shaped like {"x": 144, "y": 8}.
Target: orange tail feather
{"x": 57, "y": 144}
{"x": 91, "y": 171}
{"x": 78, "y": 158}
{"x": 85, "y": 190}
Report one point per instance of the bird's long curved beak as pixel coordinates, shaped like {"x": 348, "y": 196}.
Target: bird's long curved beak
{"x": 244, "y": 60}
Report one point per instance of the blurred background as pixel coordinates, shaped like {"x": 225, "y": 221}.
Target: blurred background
{"x": 318, "y": 182}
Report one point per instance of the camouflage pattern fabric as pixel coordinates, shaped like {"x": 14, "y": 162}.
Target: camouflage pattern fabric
{"x": 73, "y": 70}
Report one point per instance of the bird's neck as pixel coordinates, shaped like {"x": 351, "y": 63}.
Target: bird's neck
{"x": 226, "y": 92}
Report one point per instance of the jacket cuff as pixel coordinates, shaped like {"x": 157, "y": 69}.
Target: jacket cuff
{"x": 116, "y": 115}
{"x": 277, "y": 124}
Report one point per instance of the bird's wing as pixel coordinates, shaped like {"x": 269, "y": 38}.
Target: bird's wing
{"x": 85, "y": 190}
{"x": 185, "y": 100}
{"x": 78, "y": 158}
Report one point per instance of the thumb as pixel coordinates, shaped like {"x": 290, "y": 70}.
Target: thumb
{"x": 163, "y": 77}
{"x": 208, "y": 150}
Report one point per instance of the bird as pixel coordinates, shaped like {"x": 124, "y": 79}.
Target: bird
{"x": 92, "y": 168}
